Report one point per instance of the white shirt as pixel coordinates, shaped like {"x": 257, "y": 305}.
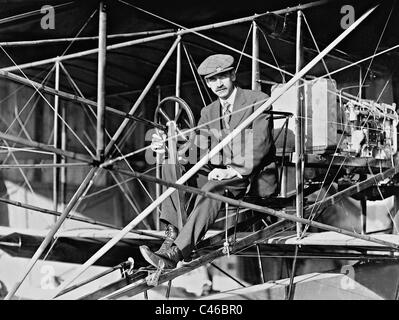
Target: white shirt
{"x": 230, "y": 99}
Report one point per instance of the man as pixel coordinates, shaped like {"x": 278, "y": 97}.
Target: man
{"x": 234, "y": 170}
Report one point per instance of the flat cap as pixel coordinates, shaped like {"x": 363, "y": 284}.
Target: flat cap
{"x": 215, "y": 64}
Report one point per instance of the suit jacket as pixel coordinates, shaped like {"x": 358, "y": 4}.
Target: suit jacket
{"x": 251, "y": 153}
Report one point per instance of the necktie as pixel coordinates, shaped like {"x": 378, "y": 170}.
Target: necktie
{"x": 226, "y": 114}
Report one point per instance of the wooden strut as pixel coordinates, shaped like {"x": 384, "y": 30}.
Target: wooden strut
{"x": 111, "y": 36}
{"x": 56, "y": 176}
{"x": 214, "y": 152}
{"x": 44, "y": 165}
{"x": 299, "y": 126}
{"x": 101, "y": 66}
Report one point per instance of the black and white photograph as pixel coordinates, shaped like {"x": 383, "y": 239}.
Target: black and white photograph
{"x": 191, "y": 157}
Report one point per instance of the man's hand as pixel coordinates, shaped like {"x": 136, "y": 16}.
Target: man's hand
{"x": 158, "y": 142}
{"x": 222, "y": 174}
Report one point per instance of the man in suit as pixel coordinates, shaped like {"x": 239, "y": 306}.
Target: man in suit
{"x": 234, "y": 169}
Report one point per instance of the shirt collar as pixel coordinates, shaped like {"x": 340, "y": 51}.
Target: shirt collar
{"x": 230, "y": 99}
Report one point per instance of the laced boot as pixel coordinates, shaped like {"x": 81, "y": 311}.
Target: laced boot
{"x": 171, "y": 233}
{"x": 170, "y": 257}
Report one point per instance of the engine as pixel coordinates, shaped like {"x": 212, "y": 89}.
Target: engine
{"x": 369, "y": 129}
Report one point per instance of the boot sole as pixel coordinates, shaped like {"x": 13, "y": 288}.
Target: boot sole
{"x": 153, "y": 259}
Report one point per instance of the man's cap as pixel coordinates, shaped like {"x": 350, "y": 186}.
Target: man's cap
{"x": 215, "y": 64}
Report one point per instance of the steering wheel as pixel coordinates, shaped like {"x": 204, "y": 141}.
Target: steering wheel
{"x": 177, "y": 110}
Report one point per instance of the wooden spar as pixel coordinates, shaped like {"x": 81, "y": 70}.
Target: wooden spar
{"x": 172, "y": 143}
{"x": 318, "y": 206}
{"x": 255, "y": 74}
{"x": 85, "y": 183}
{"x": 117, "y": 134}
{"x": 76, "y": 218}
{"x": 251, "y": 18}
{"x": 30, "y": 13}
{"x": 164, "y": 36}
{"x": 102, "y": 44}
{"x": 91, "y": 51}
{"x": 255, "y": 85}
{"x": 43, "y": 165}
{"x": 56, "y": 123}
{"x": 243, "y": 204}
{"x": 299, "y": 126}
{"x": 45, "y": 147}
{"x": 214, "y": 152}
{"x": 111, "y": 36}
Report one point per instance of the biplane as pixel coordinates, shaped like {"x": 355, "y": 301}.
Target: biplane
{"x": 74, "y": 129}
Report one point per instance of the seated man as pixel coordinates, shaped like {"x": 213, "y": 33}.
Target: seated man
{"x": 241, "y": 159}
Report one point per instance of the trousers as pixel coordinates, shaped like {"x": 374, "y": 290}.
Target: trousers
{"x": 205, "y": 210}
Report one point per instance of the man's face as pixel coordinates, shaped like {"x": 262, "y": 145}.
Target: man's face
{"x": 222, "y": 84}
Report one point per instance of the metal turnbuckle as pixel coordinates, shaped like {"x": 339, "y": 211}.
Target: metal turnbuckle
{"x": 127, "y": 267}
{"x": 153, "y": 277}
{"x": 226, "y": 248}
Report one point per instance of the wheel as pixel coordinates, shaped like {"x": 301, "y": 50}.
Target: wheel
{"x": 177, "y": 110}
